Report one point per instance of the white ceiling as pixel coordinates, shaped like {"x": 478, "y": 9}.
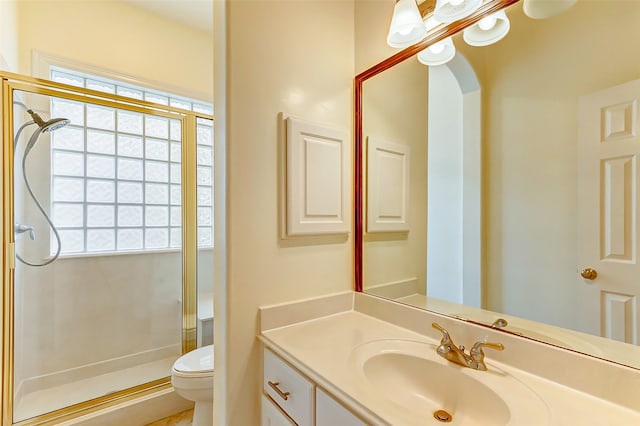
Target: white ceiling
{"x": 195, "y": 13}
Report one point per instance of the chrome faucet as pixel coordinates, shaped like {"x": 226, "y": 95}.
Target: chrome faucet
{"x": 475, "y": 359}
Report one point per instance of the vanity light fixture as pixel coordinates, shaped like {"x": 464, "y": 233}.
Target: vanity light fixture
{"x": 439, "y": 53}
{"x": 407, "y": 27}
{"x": 488, "y": 30}
{"x": 448, "y": 11}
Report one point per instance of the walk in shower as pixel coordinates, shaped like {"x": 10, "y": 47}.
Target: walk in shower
{"x": 106, "y": 209}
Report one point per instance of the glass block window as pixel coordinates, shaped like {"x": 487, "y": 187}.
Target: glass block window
{"x": 204, "y": 180}
{"x": 93, "y": 82}
{"x": 116, "y": 174}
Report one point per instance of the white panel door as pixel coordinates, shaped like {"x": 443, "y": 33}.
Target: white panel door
{"x": 608, "y": 149}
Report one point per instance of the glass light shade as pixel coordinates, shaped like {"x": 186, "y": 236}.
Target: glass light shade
{"x": 436, "y": 49}
{"x": 542, "y": 9}
{"x": 438, "y": 54}
{"x": 448, "y": 11}
{"x": 487, "y": 22}
{"x": 431, "y": 23}
{"x": 475, "y": 35}
{"x": 406, "y": 27}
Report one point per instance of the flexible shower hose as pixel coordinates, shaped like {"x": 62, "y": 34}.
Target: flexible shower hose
{"x": 32, "y": 142}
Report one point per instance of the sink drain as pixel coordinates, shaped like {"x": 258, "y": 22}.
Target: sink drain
{"x": 442, "y": 416}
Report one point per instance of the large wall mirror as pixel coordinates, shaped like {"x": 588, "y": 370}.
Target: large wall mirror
{"x": 503, "y": 188}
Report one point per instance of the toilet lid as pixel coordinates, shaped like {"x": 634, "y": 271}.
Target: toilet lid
{"x": 196, "y": 361}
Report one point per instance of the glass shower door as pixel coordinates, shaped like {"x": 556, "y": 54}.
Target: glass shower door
{"x": 99, "y": 279}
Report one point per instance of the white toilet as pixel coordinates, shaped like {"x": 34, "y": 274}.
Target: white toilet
{"x": 192, "y": 378}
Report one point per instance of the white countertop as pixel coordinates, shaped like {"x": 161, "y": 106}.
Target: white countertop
{"x": 321, "y": 349}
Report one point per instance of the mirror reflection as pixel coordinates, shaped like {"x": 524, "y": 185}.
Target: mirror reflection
{"x": 503, "y": 184}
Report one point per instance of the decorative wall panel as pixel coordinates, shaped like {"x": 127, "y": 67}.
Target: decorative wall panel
{"x": 317, "y": 166}
{"x": 387, "y": 186}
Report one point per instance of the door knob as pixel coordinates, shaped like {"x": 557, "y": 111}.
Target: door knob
{"x": 589, "y": 274}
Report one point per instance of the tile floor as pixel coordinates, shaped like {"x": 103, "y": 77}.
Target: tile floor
{"x": 180, "y": 419}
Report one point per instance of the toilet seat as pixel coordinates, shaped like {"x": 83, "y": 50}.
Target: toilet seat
{"x": 197, "y": 363}
{"x": 192, "y": 378}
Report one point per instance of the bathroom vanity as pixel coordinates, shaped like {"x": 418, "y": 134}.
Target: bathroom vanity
{"x": 304, "y": 402}
{"x": 354, "y": 359}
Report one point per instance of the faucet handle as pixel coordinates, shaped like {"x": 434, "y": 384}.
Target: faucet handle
{"x": 440, "y": 328}
{"x": 437, "y": 327}
{"x": 477, "y": 347}
{"x": 476, "y": 354}
{"x": 446, "y": 338}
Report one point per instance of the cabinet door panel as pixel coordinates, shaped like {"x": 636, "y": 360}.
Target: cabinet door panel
{"x": 330, "y": 413}
{"x": 272, "y": 416}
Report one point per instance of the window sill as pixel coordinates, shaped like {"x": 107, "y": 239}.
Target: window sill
{"x": 70, "y": 256}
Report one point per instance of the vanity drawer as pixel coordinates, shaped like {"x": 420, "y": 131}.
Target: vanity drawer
{"x": 289, "y": 389}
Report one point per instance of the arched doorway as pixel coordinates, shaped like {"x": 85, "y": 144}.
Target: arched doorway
{"x": 454, "y": 252}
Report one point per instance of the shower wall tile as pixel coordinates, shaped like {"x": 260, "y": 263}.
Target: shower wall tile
{"x": 84, "y": 310}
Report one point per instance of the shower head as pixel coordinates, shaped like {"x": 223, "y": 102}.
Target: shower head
{"x": 55, "y": 124}
{"x": 43, "y": 126}
{"x": 48, "y": 126}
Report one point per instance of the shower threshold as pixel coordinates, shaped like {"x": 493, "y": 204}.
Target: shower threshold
{"x": 45, "y": 400}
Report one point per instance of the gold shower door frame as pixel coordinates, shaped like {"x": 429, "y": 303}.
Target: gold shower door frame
{"x": 12, "y": 82}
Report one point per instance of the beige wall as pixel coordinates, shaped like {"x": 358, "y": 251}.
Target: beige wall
{"x": 372, "y": 19}
{"x": 119, "y": 37}
{"x": 287, "y": 56}
{"x": 8, "y": 36}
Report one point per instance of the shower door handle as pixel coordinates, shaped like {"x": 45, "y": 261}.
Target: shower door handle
{"x": 11, "y": 255}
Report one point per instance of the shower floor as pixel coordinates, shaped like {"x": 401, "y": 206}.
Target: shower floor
{"x": 45, "y": 400}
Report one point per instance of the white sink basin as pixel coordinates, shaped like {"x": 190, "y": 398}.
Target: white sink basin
{"x": 414, "y": 382}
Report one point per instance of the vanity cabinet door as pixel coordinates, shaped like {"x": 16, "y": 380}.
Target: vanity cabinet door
{"x": 272, "y": 416}
{"x": 330, "y": 413}
{"x": 292, "y": 391}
